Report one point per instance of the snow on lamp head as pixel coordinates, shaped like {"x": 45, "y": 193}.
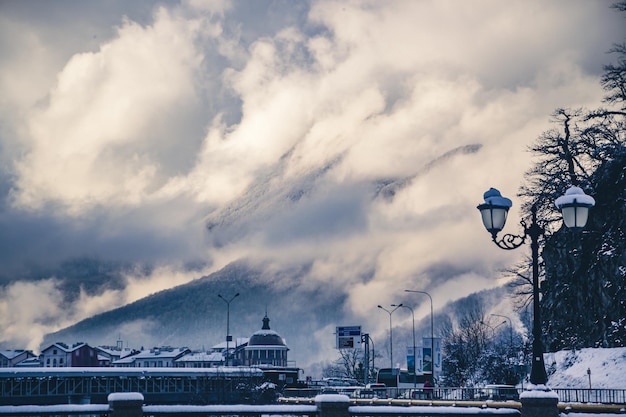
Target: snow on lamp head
{"x": 575, "y": 205}
{"x": 494, "y": 210}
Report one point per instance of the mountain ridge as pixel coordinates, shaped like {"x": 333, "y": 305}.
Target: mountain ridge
{"x": 194, "y": 315}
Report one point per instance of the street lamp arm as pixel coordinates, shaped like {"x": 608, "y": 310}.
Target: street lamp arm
{"x": 508, "y": 241}
{"x": 390, "y": 312}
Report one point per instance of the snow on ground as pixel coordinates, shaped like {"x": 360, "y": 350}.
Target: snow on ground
{"x": 568, "y": 369}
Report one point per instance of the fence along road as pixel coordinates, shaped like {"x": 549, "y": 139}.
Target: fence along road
{"x": 456, "y": 394}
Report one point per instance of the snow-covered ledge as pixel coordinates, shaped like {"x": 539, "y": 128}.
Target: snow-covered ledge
{"x": 332, "y": 405}
{"x": 125, "y": 404}
{"x": 539, "y": 401}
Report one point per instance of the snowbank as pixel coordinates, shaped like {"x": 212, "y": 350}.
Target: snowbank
{"x": 568, "y": 369}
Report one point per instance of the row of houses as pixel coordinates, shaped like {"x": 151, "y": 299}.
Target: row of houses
{"x": 60, "y": 355}
{"x": 264, "y": 347}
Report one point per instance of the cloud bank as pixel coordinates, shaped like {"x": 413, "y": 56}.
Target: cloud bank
{"x": 358, "y": 136}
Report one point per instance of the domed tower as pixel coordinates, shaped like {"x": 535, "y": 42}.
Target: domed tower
{"x": 265, "y": 347}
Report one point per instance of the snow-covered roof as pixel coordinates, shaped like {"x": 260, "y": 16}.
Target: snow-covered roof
{"x": 64, "y": 347}
{"x": 232, "y": 344}
{"x": 30, "y": 362}
{"x": 112, "y": 351}
{"x": 136, "y": 371}
{"x": 10, "y": 354}
{"x": 266, "y": 336}
{"x": 202, "y": 357}
{"x": 155, "y": 353}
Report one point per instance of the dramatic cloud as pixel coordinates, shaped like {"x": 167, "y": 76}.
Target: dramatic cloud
{"x": 355, "y": 136}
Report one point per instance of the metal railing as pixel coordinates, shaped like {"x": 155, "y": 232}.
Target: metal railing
{"x": 308, "y": 407}
{"x": 566, "y": 395}
{"x": 596, "y": 396}
{"x": 250, "y": 411}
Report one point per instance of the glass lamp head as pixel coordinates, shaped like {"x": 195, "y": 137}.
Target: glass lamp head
{"x": 574, "y": 206}
{"x": 494, "y": 210}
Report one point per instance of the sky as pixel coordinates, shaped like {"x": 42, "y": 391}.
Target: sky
{"x": 356, "y": 135}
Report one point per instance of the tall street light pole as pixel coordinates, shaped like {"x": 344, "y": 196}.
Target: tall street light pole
{"x": 390, "y": 330}
{"x": 414, "y": 353}
{"x": 228, "y": 336}
{"x": 432, "y": 334}
{"x": 510, "y": 329}
{"x": 574, "y": 205}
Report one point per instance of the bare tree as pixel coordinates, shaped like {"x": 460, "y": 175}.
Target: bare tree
{"x": 348, "y": 365}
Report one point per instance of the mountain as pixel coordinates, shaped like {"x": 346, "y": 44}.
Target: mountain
{"x": 193, "y": 315}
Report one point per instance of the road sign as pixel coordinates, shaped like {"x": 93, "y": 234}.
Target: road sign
{"x": 348, "y": 337}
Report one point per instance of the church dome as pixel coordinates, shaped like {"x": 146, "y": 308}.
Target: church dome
{"x": 266, "y": 336}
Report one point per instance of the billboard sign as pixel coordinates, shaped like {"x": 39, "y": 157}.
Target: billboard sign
{"x": 410, "y": 359}
{"x": 427, "y": 354}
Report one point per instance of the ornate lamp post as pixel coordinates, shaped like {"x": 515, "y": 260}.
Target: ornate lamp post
{"x": 390, "y": 328}
{"x": 574, "y": 205}
{"x": 228, "y": 336}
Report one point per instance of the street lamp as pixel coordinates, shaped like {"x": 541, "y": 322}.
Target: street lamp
{"x": 574, "y": 205}
{"x": 510, "y": 329}
{"x": 228, "y": 336}
{"x": 492, "y": 328}
{"x": 414, "y": 353}
{"x": 390, "y": 329}
{"x": 432, "y": 334}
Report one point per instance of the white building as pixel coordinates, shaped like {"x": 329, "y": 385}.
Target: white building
{"x": 158, "y": 357}
{"x": 200, "y": 360}
{"x": 11, "y": 358}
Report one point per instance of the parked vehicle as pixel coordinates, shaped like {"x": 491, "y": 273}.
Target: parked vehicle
{"x": 401, "y": 378}
{"x": 380, "y": 389}
{"x": 498, "y": 392}
{"x": 366, "y": 393}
